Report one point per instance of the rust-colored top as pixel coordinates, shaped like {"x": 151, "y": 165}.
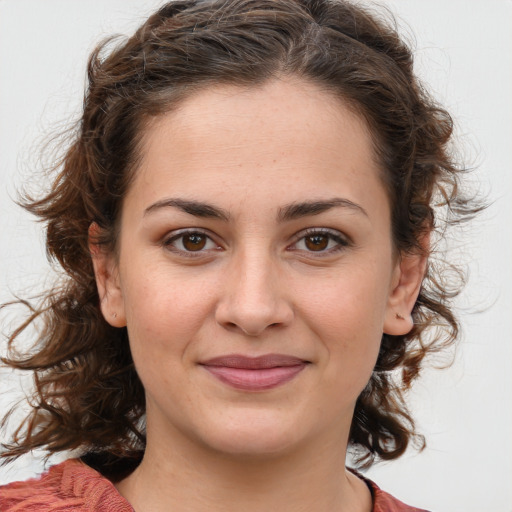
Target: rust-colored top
{"x": 72, "y": 486}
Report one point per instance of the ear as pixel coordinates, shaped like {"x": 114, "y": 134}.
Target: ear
{"x": 107, "y": 280}
{"x": 408, "y": 275}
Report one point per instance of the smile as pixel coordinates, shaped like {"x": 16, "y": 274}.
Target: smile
{"x": 255, "y": 373}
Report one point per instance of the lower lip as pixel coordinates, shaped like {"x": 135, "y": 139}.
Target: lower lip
{"x": 255, "y": 380}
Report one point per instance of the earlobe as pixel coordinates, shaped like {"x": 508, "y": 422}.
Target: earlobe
{"x": 409, "y": 273}
{"x": 107, "y": 280}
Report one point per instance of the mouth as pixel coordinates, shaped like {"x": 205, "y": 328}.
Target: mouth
{"x": 254, "y": 373}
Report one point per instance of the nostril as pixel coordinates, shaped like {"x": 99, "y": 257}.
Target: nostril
{"x": 252, "y": 319}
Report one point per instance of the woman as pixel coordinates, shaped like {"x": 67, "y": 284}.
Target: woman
{"x": 245, "y": 218}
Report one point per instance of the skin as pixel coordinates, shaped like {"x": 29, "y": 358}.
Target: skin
{"x": 259, "y": 285}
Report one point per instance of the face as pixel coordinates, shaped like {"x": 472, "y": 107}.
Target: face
{"x": 255, "y": 269}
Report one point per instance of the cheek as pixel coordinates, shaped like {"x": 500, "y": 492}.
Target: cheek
{"x": 163, "y": 322}
{"x": 351, "y": 301}
{"x": 347, "y": 314}
{"x": 163, "y": 310}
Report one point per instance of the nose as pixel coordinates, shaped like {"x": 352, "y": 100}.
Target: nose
{"x": 254, "y": 297}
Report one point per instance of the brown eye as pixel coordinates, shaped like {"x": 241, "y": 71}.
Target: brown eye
{"x": 194, "y": 241}
{"x": 321, "y": 242}
{"x": 190, "y": 243}
{"x": 316, "y": 242}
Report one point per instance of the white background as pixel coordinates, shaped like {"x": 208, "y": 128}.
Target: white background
{"x": 464, "y": 52}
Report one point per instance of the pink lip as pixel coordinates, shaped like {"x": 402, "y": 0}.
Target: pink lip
{"x": 255, "y": 373}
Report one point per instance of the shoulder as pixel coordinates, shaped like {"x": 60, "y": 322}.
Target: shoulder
{"x": 71, "y": 486}
{"x": 383, "y": 501}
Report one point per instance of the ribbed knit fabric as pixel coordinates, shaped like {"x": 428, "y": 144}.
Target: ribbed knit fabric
{"x": 384, "y": 502}
{"x": 67, "y": 487}
{"x": 73, "y": 486}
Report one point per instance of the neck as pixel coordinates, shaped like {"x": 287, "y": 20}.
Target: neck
{"x": 193, "y": 478}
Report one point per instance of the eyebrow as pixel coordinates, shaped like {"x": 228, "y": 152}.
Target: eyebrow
{"x": 286, "y": 213}
{"x": 297, "y": 210}
{"x": 196, "y": 208}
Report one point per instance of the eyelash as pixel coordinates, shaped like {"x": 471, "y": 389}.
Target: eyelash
{"x": 332, "y": 236}
{"x": 167, "y": 243}
{"x": 341, "y": 241}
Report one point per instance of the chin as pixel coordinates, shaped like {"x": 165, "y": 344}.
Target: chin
{"x": 255, "y": 436}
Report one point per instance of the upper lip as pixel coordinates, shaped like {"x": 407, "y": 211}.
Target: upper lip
{"x": 254, "y": 363}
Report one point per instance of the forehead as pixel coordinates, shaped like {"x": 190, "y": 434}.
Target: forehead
{"x": 288, "y": 134}
{"x": 226, "y": 114}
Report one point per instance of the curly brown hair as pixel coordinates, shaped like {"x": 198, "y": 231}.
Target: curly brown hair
{"x": 87, "y": 393}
